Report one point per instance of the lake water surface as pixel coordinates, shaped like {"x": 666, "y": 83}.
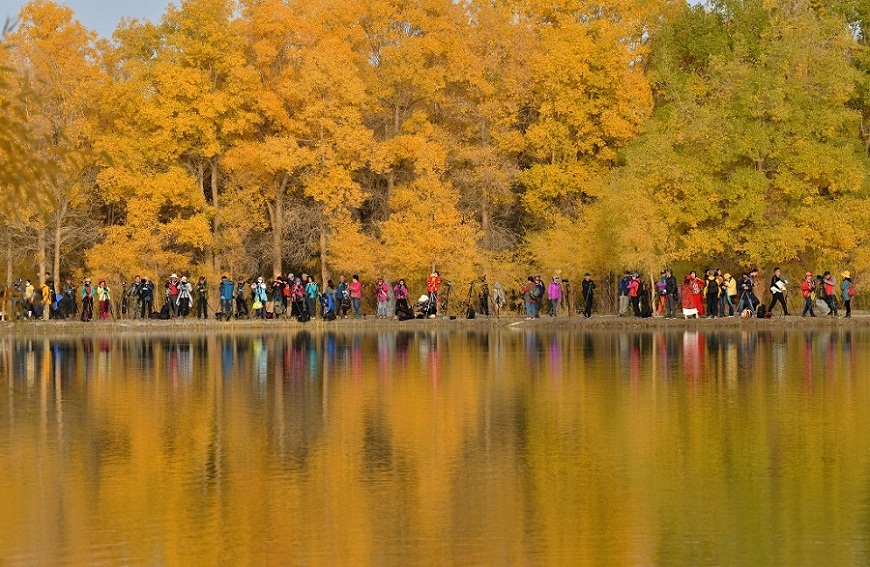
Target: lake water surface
{"x": 506, "y": 447}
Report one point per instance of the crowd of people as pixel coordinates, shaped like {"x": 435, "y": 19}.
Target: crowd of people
{"x": 716, "y": 294}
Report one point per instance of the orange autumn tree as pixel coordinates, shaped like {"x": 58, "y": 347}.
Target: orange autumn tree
{"x": 57, "y": 65}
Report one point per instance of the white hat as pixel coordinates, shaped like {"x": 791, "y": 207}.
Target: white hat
{"x": 184, "y": 279}
{"x": 423, "y": 299}
{"x": 173, "y": 276}
{"x": 260, "y": 279}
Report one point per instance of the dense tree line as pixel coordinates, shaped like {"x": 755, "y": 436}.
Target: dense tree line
{"x": 478, "y": 137}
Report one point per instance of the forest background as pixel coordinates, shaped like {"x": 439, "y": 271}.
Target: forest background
{"x": 497, "y": 138}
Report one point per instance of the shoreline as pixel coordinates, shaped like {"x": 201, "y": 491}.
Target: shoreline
{"x": 563, "y": 323}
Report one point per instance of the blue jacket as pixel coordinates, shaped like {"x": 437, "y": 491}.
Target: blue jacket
{"x": 226, "y": 289}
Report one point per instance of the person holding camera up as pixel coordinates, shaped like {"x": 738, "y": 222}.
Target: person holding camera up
{"x": 146, "y": 298}
{"x": 171, "y": 290}
{"x": 808, "y": 287}
{"x": 201, "y": 298}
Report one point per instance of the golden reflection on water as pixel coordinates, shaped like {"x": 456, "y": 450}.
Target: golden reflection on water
{"x": 404, "y": 448}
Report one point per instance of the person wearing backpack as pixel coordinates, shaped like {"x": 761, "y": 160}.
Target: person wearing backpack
{"x": 848, "y": 290}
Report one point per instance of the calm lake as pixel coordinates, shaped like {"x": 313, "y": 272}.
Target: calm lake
{"x": 507, "y": 447}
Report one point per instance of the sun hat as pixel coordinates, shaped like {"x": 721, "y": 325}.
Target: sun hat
{"x": 173, "y": 276}
{"x": 727, "y": 275}
{"x": 846, "y": 274}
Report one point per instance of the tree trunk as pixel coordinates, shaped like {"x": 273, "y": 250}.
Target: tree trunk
{"x": 485, "y": 224}
{"x": 276, "y": 214}
{"x": 324, "y": 269}
{"x": 55, "y": 273}
{"x": 8, "y": 260}
{"x": 40, "y": 254}
{"x": 216, "y": 223}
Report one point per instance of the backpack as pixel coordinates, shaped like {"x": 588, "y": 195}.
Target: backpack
{"x": 851, "y": 291}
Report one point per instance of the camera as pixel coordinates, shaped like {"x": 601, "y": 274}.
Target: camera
{"x": 448, "y": 284}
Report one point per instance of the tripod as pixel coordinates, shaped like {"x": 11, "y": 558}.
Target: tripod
{"x": 469, "y": 312}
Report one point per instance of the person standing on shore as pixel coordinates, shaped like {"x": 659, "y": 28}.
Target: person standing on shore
{"x": 848, "y": 291}
{"x": 712, "y": 292}
{"x": 87, "y": 293}
{"x": 808, "y": 286}
{"x": 241, "y": 302}
{"x": 830, "y": 285}
{"x": 225, "y": 289}
{"x": 661, "y": 292}
{"x": 382, "y": 296}
{"x": 400, "y": 290}
{"x": 185, "y": 297}
{"x": 433, "y": 284}
{"x": 671, "y": 294}
{"x": 697, "y": 292}
{"x": 634, "y": 294}
{"x": 342, "y": 296}
{"x": 588, "y": 294}
{"x": 554, "y": 294}
{"x": 133, "y": 298}
{"x": 146, "y": 298}
{"x": 623, "y": 293}
{"x": 201, "y": 298}
{"x": 104, "y": 297}
{"x": 777, "y": 289}
{"x": 310, "y": 295}
{"x": 355, "y": 291}
{"x": 730, "y": 292}
{"x": 172, "y": 290}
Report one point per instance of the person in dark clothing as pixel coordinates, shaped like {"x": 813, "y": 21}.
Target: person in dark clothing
{"x": 146, "y": 298}
{"x": 241, "y": 302}
{"x": 747, "y": 298}
{"x": 588, "y": 294}
{"x": 777, "y": 288}
{"x": 671, "y": 294}
{"x": 712, "y": 289}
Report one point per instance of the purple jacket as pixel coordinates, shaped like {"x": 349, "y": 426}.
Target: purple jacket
{"x": 554, "y": 291}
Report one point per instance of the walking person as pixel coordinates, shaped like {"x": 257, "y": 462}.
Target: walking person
{"x": 777, "y": 289}
{"x": 528, "y": 291}
{"x": 808, "y": 286}
{"x": 847, "y": 288}
{"x": 671, "y": 294}
{"x": 47, "y": 300}
{"x": 588, "y": 288}
{"x": 554, "y": 294}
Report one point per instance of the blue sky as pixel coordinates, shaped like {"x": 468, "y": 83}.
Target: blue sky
{"x": 102, "y": 16}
